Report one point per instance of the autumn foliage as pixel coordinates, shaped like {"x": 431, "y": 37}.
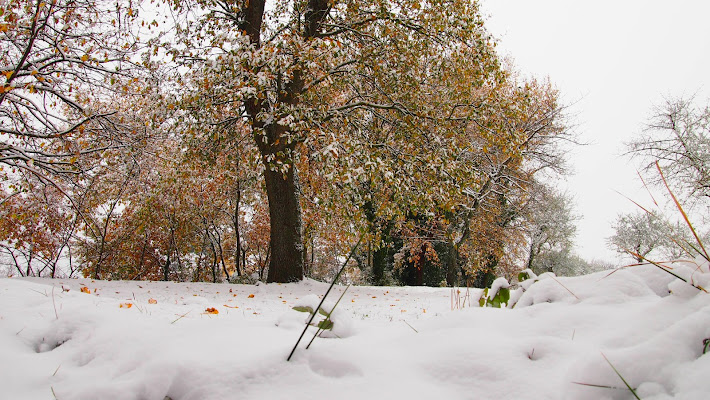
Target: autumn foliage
{"x": 204, "y": 149}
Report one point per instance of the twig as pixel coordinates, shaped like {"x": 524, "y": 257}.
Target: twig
{"x": 54, "y": 304}
{"x": 310, "y": 320}
{"x": 57, "y": 370}
{"x": 531, "y": 354}
{"x": 180, "y": 317}
{"x": 43, "y": 294}
{"x": 53, "y": 394}
{"x": 410, "y": 326}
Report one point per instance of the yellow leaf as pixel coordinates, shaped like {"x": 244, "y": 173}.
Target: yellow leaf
{"x": 85, "y": 57}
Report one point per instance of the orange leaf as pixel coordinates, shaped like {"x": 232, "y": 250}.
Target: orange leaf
{"x": 152, "y": 301}
{"x": 85, "y": 58}
{"x": 125, "y": 305}
{"x": 85, "y": 289}
{"x": 230, "y": 306}
{"x": 211, "y": 310}
{"x": 251, "y": 296}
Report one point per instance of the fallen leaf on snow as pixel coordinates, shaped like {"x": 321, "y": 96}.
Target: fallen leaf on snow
{"x": 211, "y": 310}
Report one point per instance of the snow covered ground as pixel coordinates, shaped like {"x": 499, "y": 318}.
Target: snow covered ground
{"x": 152, "y": 340}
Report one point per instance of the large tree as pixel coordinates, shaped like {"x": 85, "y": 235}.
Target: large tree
{"x": 310, "y": 74}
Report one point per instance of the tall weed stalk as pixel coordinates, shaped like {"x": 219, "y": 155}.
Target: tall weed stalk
{"x": 335, "y": 279}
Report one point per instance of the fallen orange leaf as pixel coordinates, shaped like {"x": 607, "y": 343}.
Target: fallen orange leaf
{"x": 251, "y": 296}
{"x": 211, "y": 310}
{"x": 85, "y": 289}
{"x": 152, "y": 301}
{"x": 230, "y": 306}
{"x": 125, "y": 305}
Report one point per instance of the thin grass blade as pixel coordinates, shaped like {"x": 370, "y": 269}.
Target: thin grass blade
{"x": 632, "y": 390}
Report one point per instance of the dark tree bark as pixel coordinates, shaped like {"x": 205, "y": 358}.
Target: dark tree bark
{"x": 277, "y": 150}
{"x": 283, "y": 192}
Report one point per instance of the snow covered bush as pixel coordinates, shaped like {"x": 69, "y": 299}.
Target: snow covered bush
{"x": 497, "y": 296}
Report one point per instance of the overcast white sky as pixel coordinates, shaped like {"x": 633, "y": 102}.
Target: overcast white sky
{"x": 613, "y": 60}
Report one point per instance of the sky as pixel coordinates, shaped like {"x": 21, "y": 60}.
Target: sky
{"x": 613, "y": 61}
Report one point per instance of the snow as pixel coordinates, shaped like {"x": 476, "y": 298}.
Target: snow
{"x": 394, "y": 342}
{"x": 496, "y": 286}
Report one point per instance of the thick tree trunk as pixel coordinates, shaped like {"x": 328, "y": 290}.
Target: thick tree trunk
{"x": 286, "y": 243}
{"x": 286, "y": 261}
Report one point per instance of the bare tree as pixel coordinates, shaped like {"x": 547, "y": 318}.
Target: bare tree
{"x": 678, "y": 138}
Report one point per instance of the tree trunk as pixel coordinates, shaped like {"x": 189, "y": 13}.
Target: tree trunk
{"x": 452, "y": 262}
{"x": 166, "y": 267}
{"x": 237, "y": 233}
{"x": 286, "y": 241}
{"x": 276, "y": 148}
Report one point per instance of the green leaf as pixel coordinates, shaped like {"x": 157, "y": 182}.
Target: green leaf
{"x": 303, "y": 309}
{"x": 322, "y": 312}
{"x": 523, "y": 276}
{"x": 326, "y": 324}
{"x": 504, "y": 295}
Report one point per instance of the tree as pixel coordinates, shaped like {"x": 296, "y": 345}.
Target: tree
{"x": 300, "y": 73}
{"x": 61, "y": 60}
{"x": 638, "y": 234}
{"x": 58, "y": 56}
{"x": 551, "y": 229}
{"x": 678, "y": 138}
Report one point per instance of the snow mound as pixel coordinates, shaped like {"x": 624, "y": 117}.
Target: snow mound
{"x": 601, "y": 287}
{"x": 171, "y": 342}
